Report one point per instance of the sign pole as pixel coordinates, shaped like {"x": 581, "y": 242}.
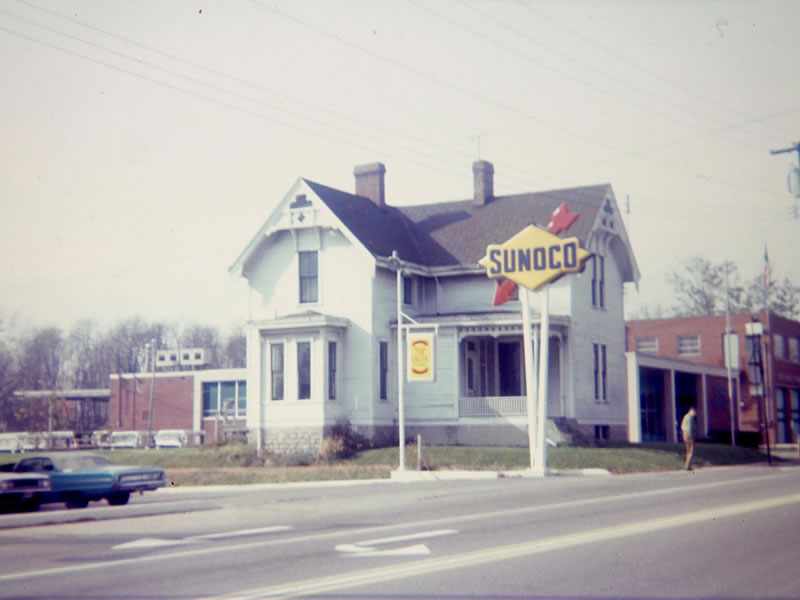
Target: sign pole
{"x": 401, "y": 418}
{"x": 530, "y": 377}
{"x": 541, "y": 419}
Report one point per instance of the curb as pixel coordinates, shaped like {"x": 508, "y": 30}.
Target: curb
{"x": 411, "y": 476}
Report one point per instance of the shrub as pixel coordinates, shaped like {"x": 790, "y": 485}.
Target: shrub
{"x": 343, "y": 442}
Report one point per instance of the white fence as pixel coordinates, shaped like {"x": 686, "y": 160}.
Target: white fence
{"x": 492, "y": 406}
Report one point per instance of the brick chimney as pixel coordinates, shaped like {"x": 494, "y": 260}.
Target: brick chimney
{"x": 483, "y": 178}
{"x": 369, "y": 182}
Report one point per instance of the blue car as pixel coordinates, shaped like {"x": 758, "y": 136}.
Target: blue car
{"x": 76, "y": 478}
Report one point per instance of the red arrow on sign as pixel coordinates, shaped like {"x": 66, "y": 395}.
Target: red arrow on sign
{"x": 562, "y": 219}
{"x": 504, "y": 292}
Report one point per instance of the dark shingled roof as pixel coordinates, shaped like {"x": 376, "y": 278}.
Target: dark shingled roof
{"x": 456, "y": 233}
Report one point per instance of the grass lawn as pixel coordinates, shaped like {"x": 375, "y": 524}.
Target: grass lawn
{"x": 238, "y": 464}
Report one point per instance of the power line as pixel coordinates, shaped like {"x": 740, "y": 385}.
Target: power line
{"x": 241, "y": 81}
{"x": 628, "y": 61}
{"x": 315, "y": 132}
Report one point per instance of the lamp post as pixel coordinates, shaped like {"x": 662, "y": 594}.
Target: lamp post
{"x": 401, "y": 417}
{"x": 151, "y": 347}
{"x": 755, "y": 371}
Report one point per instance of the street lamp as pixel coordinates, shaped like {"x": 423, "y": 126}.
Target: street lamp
{"x": 396, "y": 263}
{"x": 150, "y": 348}
{"x": 755, "y": 372}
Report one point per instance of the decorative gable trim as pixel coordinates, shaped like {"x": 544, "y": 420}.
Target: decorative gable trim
{"x": 300, "y": 208}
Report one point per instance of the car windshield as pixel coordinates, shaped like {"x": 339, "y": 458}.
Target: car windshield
{"x": 71, "y": 462}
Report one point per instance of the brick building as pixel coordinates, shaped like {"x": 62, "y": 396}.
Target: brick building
{"x": 675, "y": 363}
{"x": 211, "y": 401}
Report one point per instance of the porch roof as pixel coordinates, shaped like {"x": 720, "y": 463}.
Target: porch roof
{"x": 490, "y": 321}
{"x": 673, "y": 364}
{"x": 302, "y": 321}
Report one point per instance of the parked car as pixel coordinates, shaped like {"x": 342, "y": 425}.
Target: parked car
{"x": 125, "y": 439}
{"x": 10, "y": 442}
{"x": 22, "y": 490}
{"x": 171, "y": 438}
{"x": 76, "y": 478}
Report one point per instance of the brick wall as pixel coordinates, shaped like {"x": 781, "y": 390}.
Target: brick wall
{"x": 129, "y": 403}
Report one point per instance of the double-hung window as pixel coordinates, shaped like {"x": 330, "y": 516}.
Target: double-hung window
{"x": 331, "y": 370}
{"x": 303, "y": 370}
{"x": 276, "y": 370}
{"x": 598, "y": 281}
{"x": 384, "y": 368}
{"x": 688, "y": 345}
{"x": 600, "y": 373}
{"x": 309, "y": 276}
{"x": 408, "y": 290}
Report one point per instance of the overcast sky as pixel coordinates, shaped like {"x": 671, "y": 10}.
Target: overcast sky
{"x": 145, "y": 142}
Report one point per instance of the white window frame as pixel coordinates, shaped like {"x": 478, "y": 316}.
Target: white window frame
{"x": 383, "y": 371}
{"x": 300, "y": 277}
{"x": 689, "y": 345}
{"x": 333, "y": 368}
{"x": 794, "y": 349}
{"x": 310, "y": 369}
{"x": 598, "y": 281}
{"x": 272, "y": 397}
{"x": 600, "y": 372}
{"x": 779, "y": 346}
{"x": 647, "y": 345}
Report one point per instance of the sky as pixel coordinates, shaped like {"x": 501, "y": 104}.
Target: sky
{"x": 145, "y": 142}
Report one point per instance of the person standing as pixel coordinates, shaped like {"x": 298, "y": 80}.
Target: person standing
{"x": 689, "y": 431}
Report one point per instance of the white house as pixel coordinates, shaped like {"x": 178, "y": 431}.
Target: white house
{"x": 321, "y": 341}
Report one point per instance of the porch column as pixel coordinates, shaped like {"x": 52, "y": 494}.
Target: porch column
{"x": 672, "y": 419}
{"x": 561, "y": 375}
{"x": 704, "y": 385}
{"x": 634, "y": 393}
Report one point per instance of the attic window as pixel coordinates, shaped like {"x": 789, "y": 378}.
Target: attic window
{"x": 300, "y": 201}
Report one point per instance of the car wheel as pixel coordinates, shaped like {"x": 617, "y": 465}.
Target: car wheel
{"x": 119, "y": 498}
{"x": 76, "y": 501}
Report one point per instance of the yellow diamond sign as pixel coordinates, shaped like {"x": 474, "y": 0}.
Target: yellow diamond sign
{"x": 534, "y": 257}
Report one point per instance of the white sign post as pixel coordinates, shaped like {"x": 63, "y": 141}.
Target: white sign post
{"x": 540, "y": 466}
{"x": 532, "y": 259}
{"x": 530, "y": 378}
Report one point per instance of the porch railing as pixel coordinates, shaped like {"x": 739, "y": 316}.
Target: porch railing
{"x": 492, "y": 406}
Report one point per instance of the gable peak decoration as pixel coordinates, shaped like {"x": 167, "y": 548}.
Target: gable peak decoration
{"x": 301, "y": 212}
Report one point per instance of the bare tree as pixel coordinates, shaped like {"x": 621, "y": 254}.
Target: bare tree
{"x": 235, "y": 349}
{"x": 700, "y": 290}
{"x": 40, "y": 359}
{"x": 85, "y": 362}
{"x": 9, "y": 380}
{"x": 127, "y": 342}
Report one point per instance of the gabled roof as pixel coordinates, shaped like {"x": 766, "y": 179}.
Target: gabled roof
{"x": 465, "y": 229}
{"x": 456, "y": 233}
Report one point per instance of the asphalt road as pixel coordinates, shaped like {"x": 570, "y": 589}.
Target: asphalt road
{"x": 712, "y": 533}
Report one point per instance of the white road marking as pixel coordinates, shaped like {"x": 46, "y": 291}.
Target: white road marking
{"x": 241, "y": 532}
{"x": 316, "y": 537}
{"x": 145, "y": 543}
{"x": 368, "y": 548}
{"x": 355, "y": 579}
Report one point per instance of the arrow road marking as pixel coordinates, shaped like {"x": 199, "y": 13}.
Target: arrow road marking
{"x": 159, "y": 542}
{"x": 367, "y": 548}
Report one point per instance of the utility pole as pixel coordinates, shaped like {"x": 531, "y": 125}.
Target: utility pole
{"x": 794, "y": 176}
{"x": 795, "y": 148}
